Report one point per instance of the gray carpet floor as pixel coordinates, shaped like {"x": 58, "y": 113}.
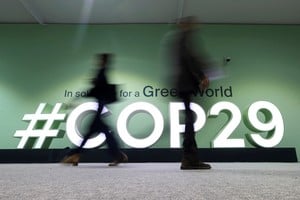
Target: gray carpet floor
{"x": 150, "y": 181}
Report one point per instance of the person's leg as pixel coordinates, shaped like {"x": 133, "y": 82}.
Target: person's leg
{"x": 113, "y": 147}
{"x": 190, "y": 158}
{"x": 112, "y": 143}
{"x": 189, "y": 142}
{"x": 74, "y": 155}
{"x": 93, "y": 128}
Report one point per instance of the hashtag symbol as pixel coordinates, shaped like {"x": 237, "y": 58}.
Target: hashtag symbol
{"x": 40, "y": 133}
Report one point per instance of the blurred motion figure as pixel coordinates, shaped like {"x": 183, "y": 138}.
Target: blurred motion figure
{"x": 188, "y": 67}
{"x": 105, "y": 93}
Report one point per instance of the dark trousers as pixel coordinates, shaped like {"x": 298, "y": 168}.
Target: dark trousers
{"x": 97, "y": 125}
{"x": 189, "y": 142}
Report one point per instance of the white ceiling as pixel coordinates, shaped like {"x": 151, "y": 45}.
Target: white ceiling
{"x": 149, "y": 11}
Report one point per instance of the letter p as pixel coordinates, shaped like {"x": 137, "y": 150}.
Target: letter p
{"x": 176, "y": 128}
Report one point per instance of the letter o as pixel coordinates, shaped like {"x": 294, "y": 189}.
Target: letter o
{"x": 153, "y": 137}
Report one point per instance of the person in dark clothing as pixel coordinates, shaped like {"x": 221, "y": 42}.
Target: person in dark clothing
{"x": 104, "y": 93}
{"x": 189, "y": 78}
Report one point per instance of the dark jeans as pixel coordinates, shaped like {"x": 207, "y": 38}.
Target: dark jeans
{"x": 189, "y": 142}
{"x": 96, "y": 126}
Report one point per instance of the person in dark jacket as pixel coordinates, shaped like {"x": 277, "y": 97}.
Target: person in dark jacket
{"x": 104, "y": 93}
{"x": 189, "y": 78}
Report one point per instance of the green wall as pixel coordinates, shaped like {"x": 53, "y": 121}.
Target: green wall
{"x": 39, "y": 62}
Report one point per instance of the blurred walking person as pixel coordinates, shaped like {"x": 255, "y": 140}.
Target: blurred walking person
{"x": 188, "y": 65}
{"x": 105, "y": 93}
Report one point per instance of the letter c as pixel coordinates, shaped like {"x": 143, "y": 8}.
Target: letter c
{"x": 72, "y": 130}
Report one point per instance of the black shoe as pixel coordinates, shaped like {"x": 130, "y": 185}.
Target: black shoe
{"x": 200, "y": 165}
{"x": 191, "y": 161}
{"x": 122, "y": 158}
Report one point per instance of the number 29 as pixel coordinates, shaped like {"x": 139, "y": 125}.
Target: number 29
{"x": 272, "y": 125}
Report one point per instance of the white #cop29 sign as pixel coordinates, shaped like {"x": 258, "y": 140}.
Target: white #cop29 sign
{"x": 272, "y": 126}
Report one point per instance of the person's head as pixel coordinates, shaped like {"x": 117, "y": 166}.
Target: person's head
{"x": 103, "y": 59}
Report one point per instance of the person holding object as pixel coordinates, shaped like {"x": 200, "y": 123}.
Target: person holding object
{"x": 189, "y": 66}
{"x": 105, "y": 93}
